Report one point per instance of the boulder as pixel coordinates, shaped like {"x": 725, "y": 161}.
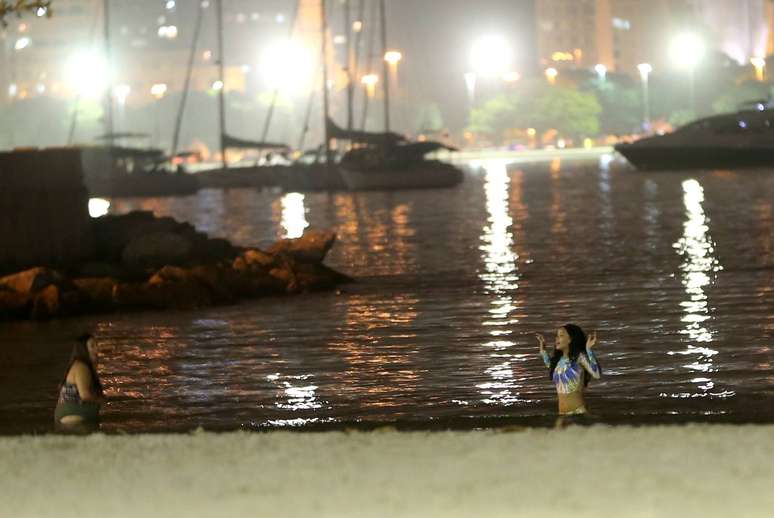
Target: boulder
{"x": 205, "y": 250}
{"x": 155, "y": 250}
{"x": 47, "y": 303}
{"x": 31, "y": 281}
{"x": 114, "y": 232}
{"x": 97, "y": 292}
{"x": 253, "y": 260}
{"x": 312, "y": 247}
{"x": 316, "y": 277}
{"x": 97, "y": 269}
{"x": 13, "y": 303}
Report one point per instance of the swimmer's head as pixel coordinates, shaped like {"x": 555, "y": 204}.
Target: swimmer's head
{"x": 86, "y": 347}
{"x": 570, "y": 339}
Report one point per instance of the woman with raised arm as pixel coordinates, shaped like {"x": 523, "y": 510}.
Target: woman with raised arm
{"x": 570, "y": 366}
{"x": 80, "y": 393}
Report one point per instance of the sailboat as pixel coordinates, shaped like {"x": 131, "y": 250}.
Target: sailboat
{"x": 112, "y": 170}
{"x": 388, "y": 161}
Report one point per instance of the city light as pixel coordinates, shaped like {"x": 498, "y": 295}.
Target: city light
{"x": 217, "y": 85}
{"x": 13, "y": 90}
{"x": 288, "y": 65}
{"x": 22, "y": 43}
{"x": 168, "y": 31}
{"x": 760, "y": 65}
{"x": 551, "y": 74}
{"x": 170, "y": 4}
{"x": 393, "y": 57}
{"x": 158, "y": 90}
{"x": 687, "y": 50}
{"x": 98, "y": 207}
{"x": 122, "y": 93}
{"x": 511, "y": 77}
{"x": 645, "y": 70}
{"x": 491, "y": 56}
{"x": 87, "y": 73}
{"x": 601, "y": 71}
{"x": 357, "y": 26}
{"x": 370, "y": 80}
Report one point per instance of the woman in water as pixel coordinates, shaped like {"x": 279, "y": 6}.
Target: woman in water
{"x": 80, "y": 393}
{"x": 570, "y": 366}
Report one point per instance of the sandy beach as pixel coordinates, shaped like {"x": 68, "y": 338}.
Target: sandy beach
{"x": 696, "y": 470}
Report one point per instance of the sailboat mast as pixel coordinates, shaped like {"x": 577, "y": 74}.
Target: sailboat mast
{"x": 222, "y": 90}
{"x": 187, "y": 83}
{"x": 324, "y": 28}
{"x": 386, "y": 67}
{"x": 350, "y": 65}
{"x": 109, "y": 91}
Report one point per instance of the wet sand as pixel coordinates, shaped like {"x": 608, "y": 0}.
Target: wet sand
{"x": 695, "y": 470}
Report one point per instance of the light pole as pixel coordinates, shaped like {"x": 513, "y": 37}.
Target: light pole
{"x": 760, "y": 68}
{"x": 470, "y": 84}
{"x": 687, "y": 51}
{"x": 393, "y": 57}
{"x": 601, "y": 71}
{"x": 645, "y": 70}
{"x": 551, "y": 74}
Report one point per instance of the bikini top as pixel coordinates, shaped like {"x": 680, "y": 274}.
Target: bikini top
{"x": 568, "y": 374}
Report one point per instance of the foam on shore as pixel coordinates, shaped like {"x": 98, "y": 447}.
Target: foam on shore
{"x": 696, "y": 470}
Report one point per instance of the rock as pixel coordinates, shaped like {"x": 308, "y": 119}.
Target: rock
{"x": 287, "y": 277}
{"x": 101, "y": 270}
{"x": 206, "y": 250}
{"x": 114, "y": 233}
{"x": 46, "y": 303}
{"x": 315, "y": 277}
{"x": 156, "y": 250}
{"x": 96, "y": 291}
{"x": 31, "y": 281}
{"x": 12, "y": 303}
{"x": 255, "y": 257}
{"x": 312, "y": 247}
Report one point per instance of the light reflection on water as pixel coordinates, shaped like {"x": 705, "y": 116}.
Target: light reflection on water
{"x": 452, "y": 284}
{"x": 500, "y": 277}
{"x": 698, "y": 270}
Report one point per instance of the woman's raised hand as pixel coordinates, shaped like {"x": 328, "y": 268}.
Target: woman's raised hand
{"x": 591, "y": 341}
{"x": 541, "y": 341}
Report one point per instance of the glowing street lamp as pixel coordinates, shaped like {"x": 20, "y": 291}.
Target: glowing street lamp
{"x": 288, "y": 65}
{"x": 158, "y": 90}
{"x": 760, "y": 67}
{"x": 393, "y": 57}
{"x": 551, "y": 74}
{"x": 491, "y": 56}
{"x": 687, "y": 50}
{"x": 645, "y": 70}
{"x": 601, "y": 71}
{"x": 87, "y": 73}
{"x": 370, "y": 80}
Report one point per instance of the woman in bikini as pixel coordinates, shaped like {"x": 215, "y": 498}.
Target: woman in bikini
{"x": 570, "y": 366}
{"x": 80, "y": 393}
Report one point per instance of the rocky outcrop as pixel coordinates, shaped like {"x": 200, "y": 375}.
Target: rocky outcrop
{"x": 147, "y": 262}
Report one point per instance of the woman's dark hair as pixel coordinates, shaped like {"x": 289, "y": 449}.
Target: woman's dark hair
{"x": 81, "y": 353}
{"x": 577, "y": 346}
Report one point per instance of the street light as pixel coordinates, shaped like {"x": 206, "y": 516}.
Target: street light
{"x": 551, "y": 74}
{"x": 393, "y": 57}
{"x": 601, "y": 71}
{"x": 760, "y": 66}
{"x": 288, "y": 65}
{"x": 645, "y": 70}
{"x": 687, "y": 50}
{"x": 491, "y": 56}
{"x": 370, "y": 80}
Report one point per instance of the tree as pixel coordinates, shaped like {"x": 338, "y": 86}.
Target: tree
{"x": 621, "y": 106}
{"x": 737, "y": 95}
{"x": 19, "y": 7}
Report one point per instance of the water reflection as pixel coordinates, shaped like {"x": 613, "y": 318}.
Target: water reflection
{"x": 293, "y": 220}
{"x": 500, "y": 277}
{"x": 698, "y": 270}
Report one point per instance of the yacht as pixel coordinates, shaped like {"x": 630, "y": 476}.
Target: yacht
{"x": 735, "y": 140}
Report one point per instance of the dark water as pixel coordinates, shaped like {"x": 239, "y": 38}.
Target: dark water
{"x": 674, "y": 270}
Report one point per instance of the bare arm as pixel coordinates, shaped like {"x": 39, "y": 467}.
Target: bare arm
{"x": 588, "y": 361}
{"x": 83, "y": 380}
{"x": 543, "y": 353}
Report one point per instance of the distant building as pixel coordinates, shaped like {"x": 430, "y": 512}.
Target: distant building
{"x": 620, "y": 34}
{"x": 63, "y": 56}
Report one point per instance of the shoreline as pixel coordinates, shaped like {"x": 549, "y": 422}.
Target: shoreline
{"x": 693, "y": 470}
